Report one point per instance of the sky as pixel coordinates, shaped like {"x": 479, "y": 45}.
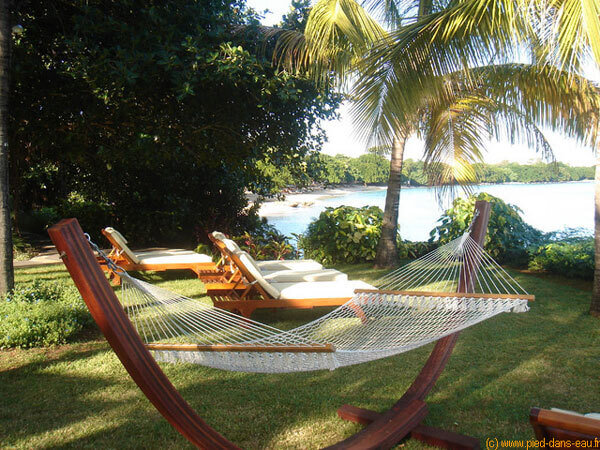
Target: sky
{"x": 342, "y": 140}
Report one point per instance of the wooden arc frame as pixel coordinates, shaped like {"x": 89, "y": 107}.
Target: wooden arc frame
{"x": 427, "y": 377}
{"x": 384, "y": 430}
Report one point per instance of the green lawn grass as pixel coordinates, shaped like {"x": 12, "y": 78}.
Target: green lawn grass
{"x": 79, "y": 395}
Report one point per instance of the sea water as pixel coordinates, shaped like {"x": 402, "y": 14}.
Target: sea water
{"x": 546, "y": 206}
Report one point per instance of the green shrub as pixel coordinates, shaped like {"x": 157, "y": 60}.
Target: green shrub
{"x": 571, "y": 257}
{"x": 508, "y": 236}
{"x": 343, "y": 234}
{"x": 207, "y": 249}
{"x": 92, "y": 215}
{"x": 22, "y": 251}
{"x": 41, "y": 314}
{"x": 38, "y": 221}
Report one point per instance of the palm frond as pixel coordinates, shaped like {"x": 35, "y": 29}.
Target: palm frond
{"x": 337, "y": 35}
{"x": 395, "y": 13}
{"x": 549, "y": 98}
{"x": 455, "y": 139}
{"x": 569, "y": 31}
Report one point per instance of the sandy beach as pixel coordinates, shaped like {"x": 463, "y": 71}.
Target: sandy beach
{"x": 295, "y": 201}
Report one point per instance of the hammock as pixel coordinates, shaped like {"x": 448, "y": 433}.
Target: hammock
{"x": 373, "y": 324}
{"x": 415, "y": 305}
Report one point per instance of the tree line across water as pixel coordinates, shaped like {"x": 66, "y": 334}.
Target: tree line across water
{"x": 375, "y": 169}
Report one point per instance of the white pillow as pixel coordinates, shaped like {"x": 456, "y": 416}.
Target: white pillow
{"x": 218, "y": 235}
{"x": 231, "y": 245}
{"x": 253, "y": 269}
{"x": 122, "y": 242}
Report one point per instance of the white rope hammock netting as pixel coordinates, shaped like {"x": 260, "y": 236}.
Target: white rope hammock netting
{"x": 371, "y": 325}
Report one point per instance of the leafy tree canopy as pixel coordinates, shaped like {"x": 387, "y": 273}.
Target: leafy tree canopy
{"x": 156, "y": 111}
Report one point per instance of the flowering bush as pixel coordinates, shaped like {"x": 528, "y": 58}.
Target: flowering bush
{"x": 41, "y": 314}
{"x": 264, "y": 246}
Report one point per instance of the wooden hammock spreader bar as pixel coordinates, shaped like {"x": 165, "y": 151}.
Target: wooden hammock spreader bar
{"x": 447, "y": 294}
{"x": 325, "y": 348}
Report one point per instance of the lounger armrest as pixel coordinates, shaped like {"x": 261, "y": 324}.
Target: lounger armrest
{"x": 564, "y": 421}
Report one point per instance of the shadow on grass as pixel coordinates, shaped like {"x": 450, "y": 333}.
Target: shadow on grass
{"x": 499, "y": 369}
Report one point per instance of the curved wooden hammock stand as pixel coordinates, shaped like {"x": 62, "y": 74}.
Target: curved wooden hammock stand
{"x": 383, "y": 430}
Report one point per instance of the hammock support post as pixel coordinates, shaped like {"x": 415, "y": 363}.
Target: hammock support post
{"x": 428, "y": 376}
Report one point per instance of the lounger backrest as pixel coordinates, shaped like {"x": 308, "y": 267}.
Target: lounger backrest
{"x": 120, "y": 243}
{"x": 229, "y": 244}
{"x": 218, "y": 235}
{"x": 249, "y": 267}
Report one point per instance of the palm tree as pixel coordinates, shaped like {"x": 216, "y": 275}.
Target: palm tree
{"x": 6, "y": 261}
{"x": 431, "y": 75}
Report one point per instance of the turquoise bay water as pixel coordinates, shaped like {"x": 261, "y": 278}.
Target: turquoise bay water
{"x": 547, "y": 206}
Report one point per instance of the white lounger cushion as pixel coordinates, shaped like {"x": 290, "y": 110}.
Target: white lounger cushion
{"x": 231, "y": 245}
{"x": 292, "y": 264}
{"x": 122, "y": 242}
{"x": 320, "y": 289}
{"x": 283, "y": 276}
{"x": 172, "y": 256}
{"x": 248, "y": 261}
{"x": 218, "y": 235}
{"x": 302, "y": 289}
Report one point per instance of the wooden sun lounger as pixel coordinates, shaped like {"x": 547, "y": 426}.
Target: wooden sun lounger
{"x": 247, "y": 304}
{"x": 205, "y": 271}
{"x": 566, "y": 427}
{"x": 282, "y": 264}
{"x": 243, "y": 294}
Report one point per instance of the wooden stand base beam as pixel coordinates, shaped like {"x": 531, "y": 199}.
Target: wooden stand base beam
{"x": 429, "y": 435}
{"x": 388, "y": 429}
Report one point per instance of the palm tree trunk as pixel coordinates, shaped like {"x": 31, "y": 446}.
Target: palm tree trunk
{"x": 595, "y": 306}
{"x": 387, "y": 250}
{"x": 6, "y": 250}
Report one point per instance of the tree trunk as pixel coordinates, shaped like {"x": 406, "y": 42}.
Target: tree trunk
{"x": 6, "y": 250}
{"x": 595, "y": 306}
{"x": 387, "y": 250}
